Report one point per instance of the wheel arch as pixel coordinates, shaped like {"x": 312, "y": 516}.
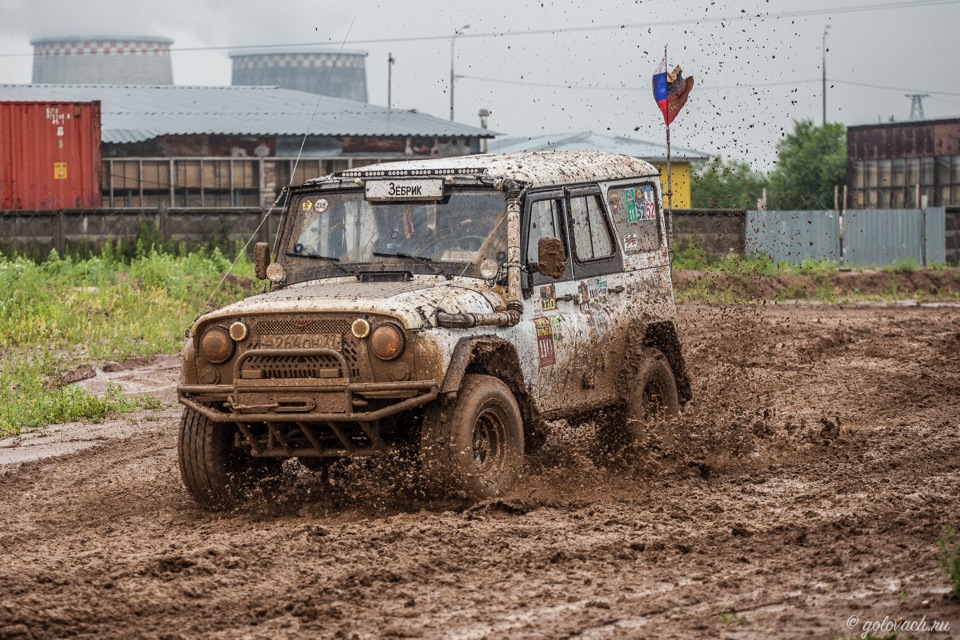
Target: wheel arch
{"x": 663, "y": 336}
{"x": 496, "y": 357}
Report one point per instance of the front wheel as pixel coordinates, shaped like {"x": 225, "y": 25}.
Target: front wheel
{"x": 218, "y": 474}
{"x": 474, "y": 445}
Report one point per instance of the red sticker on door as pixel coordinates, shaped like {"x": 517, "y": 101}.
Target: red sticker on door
{"x": 545, "y": 346}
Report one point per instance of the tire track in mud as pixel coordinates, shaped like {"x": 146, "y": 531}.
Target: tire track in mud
{"x": 814, "y": 471}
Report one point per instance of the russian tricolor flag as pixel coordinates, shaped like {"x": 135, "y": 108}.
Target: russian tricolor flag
{"x": 670, "y": 90}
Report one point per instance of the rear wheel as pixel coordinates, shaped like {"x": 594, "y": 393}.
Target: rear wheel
{"x": 216, "y": 472}
{"x": 474, "y": 445}
{"x": 651, "y": 405}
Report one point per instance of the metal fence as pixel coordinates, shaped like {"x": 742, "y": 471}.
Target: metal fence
{"x": 858, "y": 237}
{"x": 792, "y": 236}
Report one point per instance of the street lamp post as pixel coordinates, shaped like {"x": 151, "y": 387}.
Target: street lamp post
{"x": 453, "y": 42}
{"x": 823, "y": 68}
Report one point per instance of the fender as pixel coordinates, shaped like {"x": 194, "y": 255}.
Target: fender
{"x": 495, "y": 356}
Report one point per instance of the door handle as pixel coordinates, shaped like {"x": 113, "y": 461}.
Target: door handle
{"x": 566, "y": 297}
{"x": 617, "y": 289}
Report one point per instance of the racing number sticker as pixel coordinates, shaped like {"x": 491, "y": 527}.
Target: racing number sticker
{"x": 649, "y": 204}
{"x": 630, "y": 197}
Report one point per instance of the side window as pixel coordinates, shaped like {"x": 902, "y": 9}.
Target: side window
{"x": 591, "y": 235}
{"x": 544, "y": 223}
{"x": 636, "y": 213}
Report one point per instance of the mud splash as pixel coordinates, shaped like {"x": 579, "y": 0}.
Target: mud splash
{"x": 809, "y": 482}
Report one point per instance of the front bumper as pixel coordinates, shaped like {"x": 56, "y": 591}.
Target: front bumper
{"x": 330, "y": 396}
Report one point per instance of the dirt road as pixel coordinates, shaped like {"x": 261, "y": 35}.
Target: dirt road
{"x": 819, "y": 462}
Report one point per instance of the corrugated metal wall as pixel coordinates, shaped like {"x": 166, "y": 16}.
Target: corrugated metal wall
{"x": 870, "y": 237}
{"x": 791, "y": 236}
{"x": 881, "y": 237}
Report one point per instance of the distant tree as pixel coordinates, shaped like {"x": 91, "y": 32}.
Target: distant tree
{"x": 811, "y": 161}
{"x": 729, "y": 184}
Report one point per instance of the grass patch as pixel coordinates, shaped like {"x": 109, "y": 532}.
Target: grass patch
{"x": 901, "y": 265}
{"x": 69, "y": 310}
{"x": 949, "y": 544}
{"x": 729, "y": 615}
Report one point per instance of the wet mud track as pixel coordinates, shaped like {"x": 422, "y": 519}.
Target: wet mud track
{"x": 810, "y": 482}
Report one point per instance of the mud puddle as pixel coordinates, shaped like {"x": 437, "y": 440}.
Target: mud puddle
{"x": 811, "y": 481}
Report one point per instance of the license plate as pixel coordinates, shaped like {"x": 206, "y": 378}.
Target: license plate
{"x": 301, "y": 341}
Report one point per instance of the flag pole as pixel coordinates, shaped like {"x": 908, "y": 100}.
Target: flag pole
{"x": 669, "y": 176}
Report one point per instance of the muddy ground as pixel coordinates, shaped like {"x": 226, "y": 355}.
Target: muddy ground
{"x": 818, "y": 464}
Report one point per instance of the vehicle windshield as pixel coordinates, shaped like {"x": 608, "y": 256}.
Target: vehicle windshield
{"x": 338, "y": 232}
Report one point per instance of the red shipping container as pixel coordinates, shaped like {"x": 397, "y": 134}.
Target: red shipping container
{"x": 50, "y": 155}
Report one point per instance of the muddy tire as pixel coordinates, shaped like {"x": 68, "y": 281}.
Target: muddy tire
{"x": 216, "y": 473}
{"x": 650, "y": 407}
{"x": 473, "y": 446}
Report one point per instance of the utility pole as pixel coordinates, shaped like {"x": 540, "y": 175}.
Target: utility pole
{"x": 484, "y": 114}
{"x": 823, "y": 68}
{"x": 453, "y": 42}
{"x": 390, "y": 61}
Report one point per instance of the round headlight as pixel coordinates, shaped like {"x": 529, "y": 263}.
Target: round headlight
{"x": 386, "y": 342}
{"x": 216, "y": 345}
{"x": 360, "y": 328}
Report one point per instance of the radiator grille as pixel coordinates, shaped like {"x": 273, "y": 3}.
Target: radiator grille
{"x": 293, "y": 327}
{"x": 272, "y": 367}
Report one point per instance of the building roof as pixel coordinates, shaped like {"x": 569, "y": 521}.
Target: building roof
{"x": 132, "y": 113}
{"x": 590, "y": 141}
{"x": 542, "y": 168}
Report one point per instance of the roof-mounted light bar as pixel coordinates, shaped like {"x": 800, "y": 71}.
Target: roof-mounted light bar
{"x": 401, "y": 173}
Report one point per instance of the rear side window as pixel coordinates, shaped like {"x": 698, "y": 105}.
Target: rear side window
{"x": 636, "y": 212}
{"x": 591, "y": 236}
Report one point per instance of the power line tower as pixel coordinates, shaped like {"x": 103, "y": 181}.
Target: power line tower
{"x": 916, "y": 105}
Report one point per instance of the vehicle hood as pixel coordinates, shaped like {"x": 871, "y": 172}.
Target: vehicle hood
{"x": 410, "y": 302}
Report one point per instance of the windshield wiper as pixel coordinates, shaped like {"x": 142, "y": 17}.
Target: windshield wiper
{"x": 421, "y": 259}
{"x": 334, "y": 261}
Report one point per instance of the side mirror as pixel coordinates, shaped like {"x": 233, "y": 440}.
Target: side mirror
{"x": 261, "y": 260}
{"x": 552, "y": 261}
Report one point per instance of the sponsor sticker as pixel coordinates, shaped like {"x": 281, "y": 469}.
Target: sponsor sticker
{"x": 545, "y": 345}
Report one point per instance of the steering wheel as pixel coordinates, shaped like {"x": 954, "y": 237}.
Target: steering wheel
{"x": 470, "y": 243}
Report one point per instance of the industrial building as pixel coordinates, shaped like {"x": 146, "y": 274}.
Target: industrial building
{"x": 656, "y": 154}
{"x": 900, "y": 165}
{"x": 102, "y": 60}
{"x": 339, "y": 74}
{"x": 203, "y": 147}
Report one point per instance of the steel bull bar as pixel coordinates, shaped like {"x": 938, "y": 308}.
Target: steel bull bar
{"x": 332, "y": 397}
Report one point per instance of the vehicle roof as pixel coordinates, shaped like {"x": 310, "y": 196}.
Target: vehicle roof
{"x": 539, "y": 168}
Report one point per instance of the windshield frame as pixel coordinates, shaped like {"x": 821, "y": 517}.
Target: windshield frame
{"x": 304, "y": 267}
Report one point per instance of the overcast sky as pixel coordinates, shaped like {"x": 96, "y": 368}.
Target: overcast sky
{"x": 754, "y": 75}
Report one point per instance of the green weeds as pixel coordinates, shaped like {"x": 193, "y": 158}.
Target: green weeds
{"x": 949, "y": 544}
{"x": 68, "y": 310}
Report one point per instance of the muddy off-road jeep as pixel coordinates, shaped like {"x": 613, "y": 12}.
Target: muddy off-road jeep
{"x": 444, "y": 306}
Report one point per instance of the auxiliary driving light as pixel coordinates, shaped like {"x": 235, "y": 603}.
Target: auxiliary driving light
{"x": 360, "y": 328}
{"x": 275, "y": 273}
{"x": 216, "y": 345}
{"x": 489, "y": 269}
{"x": 239, "y": 331}
{"x": 387, "y": 342}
